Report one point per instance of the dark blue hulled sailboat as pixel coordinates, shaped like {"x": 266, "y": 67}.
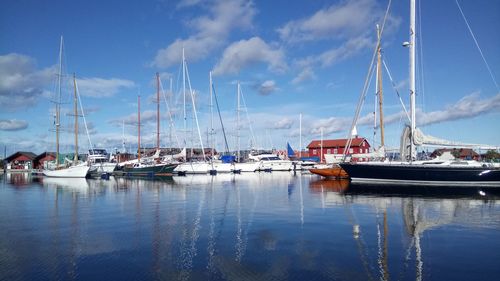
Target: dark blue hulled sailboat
{"x": 434, "y": 172}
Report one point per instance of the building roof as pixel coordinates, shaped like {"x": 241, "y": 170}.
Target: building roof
{"x": 44, "y": 154}
{"x": 29, "y": 155}
{"x": 464, "y": 152}
{"x": 337, "y": 143}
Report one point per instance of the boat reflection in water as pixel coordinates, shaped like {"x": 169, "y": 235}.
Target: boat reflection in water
{"x": 263, "y": 226}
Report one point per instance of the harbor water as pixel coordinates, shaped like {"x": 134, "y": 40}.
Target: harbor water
{"x": 258, "y": 226}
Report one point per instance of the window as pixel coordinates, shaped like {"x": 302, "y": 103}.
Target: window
{"x": 335, "y": 151}
{"x": 351, "y": 150}
{"x": 314, "y": 152}
{"x": 328, "y": 151}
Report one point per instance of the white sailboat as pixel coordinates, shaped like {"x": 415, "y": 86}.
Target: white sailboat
{"x": 75, "y": 168}
{"x": 191, "y": 167}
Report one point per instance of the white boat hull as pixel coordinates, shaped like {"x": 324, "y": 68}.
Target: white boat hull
{"x": 276, "y": 165}
{"x": 249, "y": 167}
{"x": 193, "y": 168}
{"x": 103, "y": 167}
{"x": 79, "y": 171}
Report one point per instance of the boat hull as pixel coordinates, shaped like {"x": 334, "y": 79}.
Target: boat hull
{"x": 248, "y": 167}
{"x": 150, "y": 171}
{"x": 79, "y": 171}
{"x": 428, "y": 175}
{"x": 276, "y": 165}
{"x": 331, "y": 172}
{"x": 193, "y": 168}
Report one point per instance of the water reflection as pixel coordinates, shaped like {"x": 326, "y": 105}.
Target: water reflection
{"x": 263, "y": 226}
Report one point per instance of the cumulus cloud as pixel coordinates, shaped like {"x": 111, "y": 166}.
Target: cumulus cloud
{"x": 13, "y": 125}
{"x": 267, "y": 87}
{"x": 21, "y": 83}
{"x": 330, "y": 125}
{"x": 102, "y": 88}
{"x": 131, "y": 119}
{"x": 210, "y": 32}
{"x": 349, "y": 18}
{"x": 247, "y": 52}
{"x": 467, "y": 107}
{"x": 283, "y": 124}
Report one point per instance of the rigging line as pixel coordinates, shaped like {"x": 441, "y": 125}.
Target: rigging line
{"x": 365, "y": 87}
{"x": 477, "y": 45}
{"x": 396, "y": 90}
{"x": 171, "y": 121}
{"x": 248, "y": 118}
{"x": 83, "y": 114}
{"x": 220, "y": 118}
{"x": 421, "y": 56}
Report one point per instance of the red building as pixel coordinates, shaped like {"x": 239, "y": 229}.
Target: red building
{"x": 20, "y": 160}
{"x": 39, "y": 161}
{"x": 461, "y": 153}
{"x": 319, "y": 148}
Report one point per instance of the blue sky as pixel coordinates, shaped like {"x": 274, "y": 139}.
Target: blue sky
{"x": 291, "y": 57}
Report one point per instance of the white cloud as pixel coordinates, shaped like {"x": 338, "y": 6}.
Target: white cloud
{"x": 13, "y": 125}
{"x": 102, "y": 88}
{"x": 330, "y": 125}
{"x": 210, "y": 32}
{"x": 349, "y": 18}
{"x": 247, "y": 52}
{"x": 305, "y": 75}
{"x": 346, "y": 50}
{"x": 267, "y": 87}
{"x": 467, "y": 107}
{"x": 132, "y": 119}
{"x": 21, "y": 84}
{"x": 283, "y": 124}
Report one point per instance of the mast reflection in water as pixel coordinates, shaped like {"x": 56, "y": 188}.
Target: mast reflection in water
{"x": 262, "y": 226}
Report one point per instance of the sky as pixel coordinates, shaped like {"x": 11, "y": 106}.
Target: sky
{"x": 291, "y": 58}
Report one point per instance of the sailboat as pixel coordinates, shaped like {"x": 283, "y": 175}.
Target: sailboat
{"x": 431, "y": 173}
{"x": 71, "y": 169}
{"x": 151, "y": 166}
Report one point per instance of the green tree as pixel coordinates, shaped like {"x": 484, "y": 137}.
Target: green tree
{"x": 492, "y": 155}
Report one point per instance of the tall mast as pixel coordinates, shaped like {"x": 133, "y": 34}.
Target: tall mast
{"x": 58, "y": 101}
{"x": 300, "y": 135}
{"x": 123, "y": 136}
{"x": 76, "y": 119}
{"x": 379, "y": 88}
{"x": 157, "y": 111}
{"x": 169, "y": 113}
{"x": 412, "y": 79}
{"x": 321, "y": 156}
{"x": 238, "y": 123}
{"x": 184, "y": 88}
{"x": 211, "y": 143}
{"x": 139, "y": 127}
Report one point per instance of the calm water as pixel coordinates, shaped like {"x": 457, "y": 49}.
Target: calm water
{"x": 267, "y": 226}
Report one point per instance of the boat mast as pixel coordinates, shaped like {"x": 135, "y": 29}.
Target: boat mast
{"x": 76, "y": 119}
{"x": 157, "y": 111}
{"x": 300, "y": 135}
{"x": 212, "y": 145}
{"x": 238, "y": 124}
{"x": 379, "y": 87}
{"x": 139, "y": 127}
{"x": 58, "y": 101}
{"x": 412, "y": 80}
{"x": 184, "y": 92}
